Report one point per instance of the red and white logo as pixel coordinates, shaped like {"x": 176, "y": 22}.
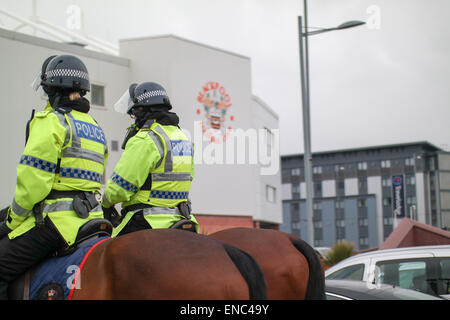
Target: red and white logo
{"x": 215, "y": 104}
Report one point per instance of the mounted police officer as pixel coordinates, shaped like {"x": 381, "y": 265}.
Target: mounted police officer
{"x": 60, "y": 169}
{"x": 153, "y": 176}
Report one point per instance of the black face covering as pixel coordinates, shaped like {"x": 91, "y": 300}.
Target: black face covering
{"x": 81, "y": 104}
{"x": 163, "y": 117}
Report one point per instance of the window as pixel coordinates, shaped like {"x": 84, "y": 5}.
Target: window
{"x": 362, "y": 203}
{"x": 340, "y": 233}
{"x": 269, "y": 141}
{"x": 432, "y": 164}
{"x": 409, "y": 161}
{"x": 316, "y": 206}
{"x": 363, "y": 242}
{"x": 295, "y": 171}
{"x": 409, "y": 274}
{"x": 386, "y": 163}
{"x": 386, "y": 181}
{"x": 362, "y": 185}
{"x": 285, "y": 174}
{"x": 388, "y": 221}
{"x": 354, "y": 272}
{"x": 362, "y": 165}
{"x": 317, "y": 169}
{"x": 339, "y": 204}
{"x": 411, "y": 200}
{"x": 114, "y": 145}
{"x": 295, "y": 191}
{"x": 340, "y": 223}
{"x": 295, "y": 212}
{"x": 270, "y": 193}
{"x": 387, "y": 202}
{"x": 410, "y": 180}
{"x": 364, "y": 222}
{"x": 444, "y": 279}
{"x": 318, "y": 189}
{"x": 98, "y": 95}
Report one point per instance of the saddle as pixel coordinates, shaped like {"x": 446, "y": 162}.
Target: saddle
{"x": 92, "y": 229}
{"x": 89, "y": 233}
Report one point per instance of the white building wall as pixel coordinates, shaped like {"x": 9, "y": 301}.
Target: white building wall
{"x": 268, "y": 170}
{"x": 328, "y": 188}
{"x": 302, "y": 190}
{"x": 351, "y": 186}
{"x": 286, "y": 191}
{"x": 420, "y": 194}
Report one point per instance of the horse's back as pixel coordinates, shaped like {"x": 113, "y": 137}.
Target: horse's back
{"x": 286, "y": 269}
{"x": 162, "y": 264}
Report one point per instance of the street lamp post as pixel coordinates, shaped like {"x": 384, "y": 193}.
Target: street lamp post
{"x": 304, "y": 79}
{"x": 307, "y": 157}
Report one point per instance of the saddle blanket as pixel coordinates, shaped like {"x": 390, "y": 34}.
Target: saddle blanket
{"x": 58, "y": 276}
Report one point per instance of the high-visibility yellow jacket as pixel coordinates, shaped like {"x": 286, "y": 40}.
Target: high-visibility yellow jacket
{"x": 64, "y": 152}
{"x": 156, "y": 168}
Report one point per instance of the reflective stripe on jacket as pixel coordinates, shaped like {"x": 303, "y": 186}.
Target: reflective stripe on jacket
{"x": 156, "y": 168}
{"x": 64, "y": 151}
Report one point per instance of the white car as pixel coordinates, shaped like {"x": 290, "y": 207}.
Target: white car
{"x": 425, "y": 268}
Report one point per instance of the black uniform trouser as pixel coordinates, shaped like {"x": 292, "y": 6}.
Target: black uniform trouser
{"x": 136, "y": 223}
{"x": 20, "y": 254}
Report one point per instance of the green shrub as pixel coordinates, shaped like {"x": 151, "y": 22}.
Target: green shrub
{"x": 340, "y": 251}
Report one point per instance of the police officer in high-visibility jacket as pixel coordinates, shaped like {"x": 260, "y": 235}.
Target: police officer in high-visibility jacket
{"x": 153, "y": 176}
{"x": 59, "y": 171}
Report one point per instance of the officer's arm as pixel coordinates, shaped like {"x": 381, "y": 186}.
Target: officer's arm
{"x": 139, "y": 157}
{"x": 37, "y": 166}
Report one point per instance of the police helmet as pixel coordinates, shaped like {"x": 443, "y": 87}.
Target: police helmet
{"x": 66, "y": 72}
{"x": 148, "y": 94}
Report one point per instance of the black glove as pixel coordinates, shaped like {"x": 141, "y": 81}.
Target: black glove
{"x": 112, "y": 215}
{"x": 4, "y": 230}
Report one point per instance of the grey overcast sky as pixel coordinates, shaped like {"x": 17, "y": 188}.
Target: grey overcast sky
{"x": 384, "y": 83}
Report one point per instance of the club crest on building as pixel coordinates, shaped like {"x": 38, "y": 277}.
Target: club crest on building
{"x": 214, "y": 110}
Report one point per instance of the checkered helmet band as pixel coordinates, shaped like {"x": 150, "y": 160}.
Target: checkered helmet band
{"x": 67, "y": 73}
{"x": 150, "y": 94}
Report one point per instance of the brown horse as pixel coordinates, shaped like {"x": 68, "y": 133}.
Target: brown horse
{"x": 291, "y": 267}
{"x": 168, "y": 264}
